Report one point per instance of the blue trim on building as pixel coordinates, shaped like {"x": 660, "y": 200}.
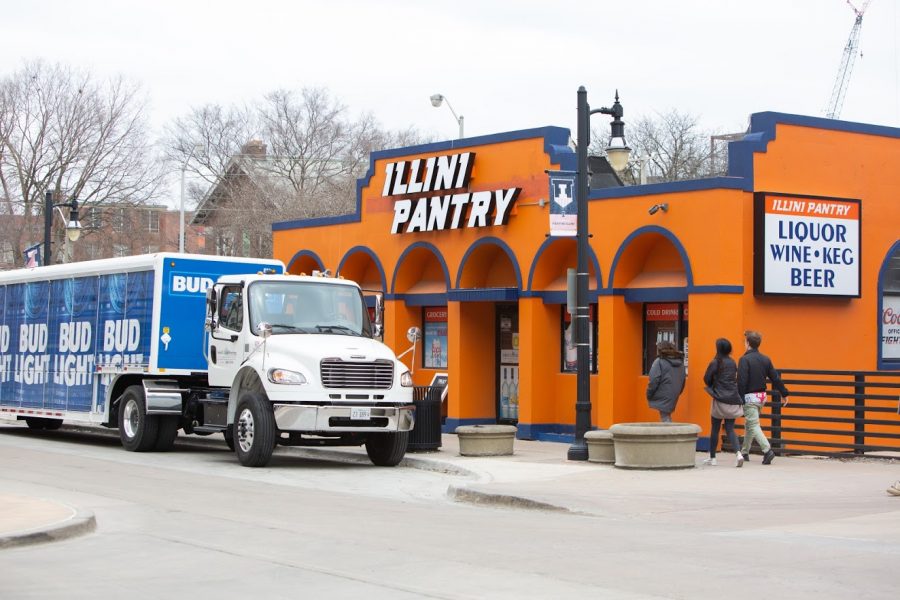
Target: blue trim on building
{"x": 371, "y": 254}
{"x": 428, "y": 246}
{"x": 497, "y": 242}
{"x": 419, "y": 299}
{"x": 689, "y": 275}
{"x": 883, "y": 364}
{"x": 551, "y": 432}
{"x": 483, "y": 295}
{"x": 304, "y": 253}
{"x": 671, "y": 187}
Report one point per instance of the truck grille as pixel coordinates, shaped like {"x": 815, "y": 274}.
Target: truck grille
{"x": 337, "y": 373}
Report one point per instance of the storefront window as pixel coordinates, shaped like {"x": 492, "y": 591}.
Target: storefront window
{"x": 666, "y": 321}
{"x": 434, "y": 337}
{"x": 569, "y": 353}
{"x": 890, "y": 312}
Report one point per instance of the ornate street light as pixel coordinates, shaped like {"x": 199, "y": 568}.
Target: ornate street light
{"x": 617, "y": 153}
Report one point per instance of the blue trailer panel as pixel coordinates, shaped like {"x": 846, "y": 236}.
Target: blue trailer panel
{"x": 67, "y": 331}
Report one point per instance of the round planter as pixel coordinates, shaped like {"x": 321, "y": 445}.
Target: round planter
{"x": 600, "y": 446}
{"x": 486, "y": 440}
{"x": 655, "y": 445}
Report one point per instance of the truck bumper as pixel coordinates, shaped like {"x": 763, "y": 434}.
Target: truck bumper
{"x": 296, "y": 417}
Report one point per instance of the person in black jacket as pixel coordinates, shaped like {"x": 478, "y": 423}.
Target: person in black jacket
{"x": 754, "y": 369}
{"x": 721, "y": 383}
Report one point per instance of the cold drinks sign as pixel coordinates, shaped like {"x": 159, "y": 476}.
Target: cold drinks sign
{"x": 806, "y": 245}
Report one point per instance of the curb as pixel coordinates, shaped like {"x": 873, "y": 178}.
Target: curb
{"x": 80, "y": 523}
{"x": 463, "y": 494}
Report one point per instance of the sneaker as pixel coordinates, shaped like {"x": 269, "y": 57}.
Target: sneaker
{"x": 710, "y": 461}
{"x": 768, "y": 456}
{"x": 739, "y": 460}
{"x": 746, "y": 456}
{"x": 894, "y": 490}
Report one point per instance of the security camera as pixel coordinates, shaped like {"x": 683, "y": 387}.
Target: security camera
{"x": 656, "y": 207}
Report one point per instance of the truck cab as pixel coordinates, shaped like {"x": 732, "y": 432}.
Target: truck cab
{"x": 293, "y": 360}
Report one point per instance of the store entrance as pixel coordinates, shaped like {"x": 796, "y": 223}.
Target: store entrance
{"x": 507, "y": 362}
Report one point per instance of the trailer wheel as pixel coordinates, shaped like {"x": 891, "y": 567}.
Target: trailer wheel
{"x": 387, "y": 449}
{"x": 43, "y": 423}
{"x": 137, "y": 430}
{"x": 254, "y": 430}
{"x": 167, "y": 432}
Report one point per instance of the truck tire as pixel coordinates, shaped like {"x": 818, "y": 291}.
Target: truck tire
{"x": 167, "y": 431}
{"x": 137, "y": 430}
{"x": 387, "y": 449}
{"x": 254, "y": 430}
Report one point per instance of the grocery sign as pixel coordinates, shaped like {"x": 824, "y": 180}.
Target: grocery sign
{"x": 806, "y": 245}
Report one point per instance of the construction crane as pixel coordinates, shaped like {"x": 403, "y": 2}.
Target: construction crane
{"x": 833, "y": 109}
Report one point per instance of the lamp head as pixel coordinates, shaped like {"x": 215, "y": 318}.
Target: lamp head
{"x": 436, "y": 100}
{"x": 73, "y": 230}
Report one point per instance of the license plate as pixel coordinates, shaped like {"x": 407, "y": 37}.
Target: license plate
{"x": 360, "y": 414}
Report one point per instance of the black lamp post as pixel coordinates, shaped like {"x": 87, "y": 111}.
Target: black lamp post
{"x": 617, "y": 154}
{"x": 73, "y": 225}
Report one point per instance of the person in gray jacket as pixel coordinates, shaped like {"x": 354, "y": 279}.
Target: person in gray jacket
{"x": 721, "y": 383}
{"x": 667, "y": 376}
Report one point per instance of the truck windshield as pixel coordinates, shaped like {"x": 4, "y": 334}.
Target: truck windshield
{"x": 306, "y": 307}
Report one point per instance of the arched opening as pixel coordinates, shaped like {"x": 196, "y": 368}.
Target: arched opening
{"x": 304, "y": 263}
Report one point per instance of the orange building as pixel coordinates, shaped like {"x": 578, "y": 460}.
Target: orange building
{"x": 800, "y": 241}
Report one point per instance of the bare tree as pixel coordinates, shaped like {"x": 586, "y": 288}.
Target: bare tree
{"x": 63, "y": 131}
{"x": 672, "y": 145}
{"x": 292, "y": 155}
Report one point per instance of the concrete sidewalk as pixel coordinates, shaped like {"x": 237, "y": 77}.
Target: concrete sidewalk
{"x": 842, "y": 498}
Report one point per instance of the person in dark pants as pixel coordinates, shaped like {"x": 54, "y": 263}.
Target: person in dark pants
{"x": 721, "y": 382}
{"x": 754, "y": 369}
{"x": 667, "y": 375}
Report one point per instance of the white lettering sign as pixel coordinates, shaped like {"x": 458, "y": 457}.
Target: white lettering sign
{"x": 431, "y": 210}
{"x": 809, "y": 246}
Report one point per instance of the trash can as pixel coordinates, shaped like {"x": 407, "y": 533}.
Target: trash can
{"x": 426, "y": 434}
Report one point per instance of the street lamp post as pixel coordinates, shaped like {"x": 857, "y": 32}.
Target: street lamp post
{"x": 617, "y": 154}
{"x": 436, "y": 101}
{"x": 73, "y": 225}
{"x": 181, "y": 212}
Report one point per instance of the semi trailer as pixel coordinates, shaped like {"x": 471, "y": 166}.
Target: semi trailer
{"x": 162, "y": 343}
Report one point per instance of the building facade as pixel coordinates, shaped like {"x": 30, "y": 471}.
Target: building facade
{"x": 800, "y": 241}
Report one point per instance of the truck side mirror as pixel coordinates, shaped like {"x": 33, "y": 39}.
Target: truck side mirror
{"x": 379, "y": 308}
{"x": 264, "y": 329}
{"x": 211, "y": 303}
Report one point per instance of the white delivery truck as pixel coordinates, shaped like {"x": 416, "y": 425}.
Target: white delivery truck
{"x": 157, "y": 343}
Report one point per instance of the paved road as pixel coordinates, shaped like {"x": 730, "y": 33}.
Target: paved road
{"x": 193, "y": 523}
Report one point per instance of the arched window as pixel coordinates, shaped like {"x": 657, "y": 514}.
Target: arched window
{"x": 889, "y": 319}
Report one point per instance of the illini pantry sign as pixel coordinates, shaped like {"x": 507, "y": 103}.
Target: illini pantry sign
{"x": 806, "y": 245}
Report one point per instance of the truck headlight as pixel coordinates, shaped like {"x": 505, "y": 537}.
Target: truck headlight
{"x": 285, "y": 376}
{"x": 406, "y": 379}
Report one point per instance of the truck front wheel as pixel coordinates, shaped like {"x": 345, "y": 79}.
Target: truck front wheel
{"x": 137, "y": 429}
{"x": 387, "y": 449}
{"x": 254, "y": 430}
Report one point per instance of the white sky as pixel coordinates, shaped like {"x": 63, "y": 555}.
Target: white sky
{"x": 503, "y": 65}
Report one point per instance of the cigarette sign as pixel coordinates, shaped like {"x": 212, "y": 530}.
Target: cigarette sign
{"x": 806, "y": 245}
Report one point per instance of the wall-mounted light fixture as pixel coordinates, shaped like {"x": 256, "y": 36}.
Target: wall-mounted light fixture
{"x": 658, "y": 207}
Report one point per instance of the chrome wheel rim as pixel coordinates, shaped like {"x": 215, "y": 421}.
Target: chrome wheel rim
{"x": 131, "y": 418}
{"x": 245, "y": 430}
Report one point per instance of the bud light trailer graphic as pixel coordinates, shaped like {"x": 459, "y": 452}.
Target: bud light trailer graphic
{"x": 68, "y": 331}
{"x": 180, "y": 343}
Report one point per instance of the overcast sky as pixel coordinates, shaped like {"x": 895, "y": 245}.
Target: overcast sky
{"x": 503, "y": 65}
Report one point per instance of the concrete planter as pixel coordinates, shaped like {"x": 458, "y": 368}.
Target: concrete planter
{"x": 655, "y": 445}
{"x": 600, "y": 446}
{"x": 486, "y": 440}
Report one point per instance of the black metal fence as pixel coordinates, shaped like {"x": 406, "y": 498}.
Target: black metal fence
{"x": 835, "y": 413}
